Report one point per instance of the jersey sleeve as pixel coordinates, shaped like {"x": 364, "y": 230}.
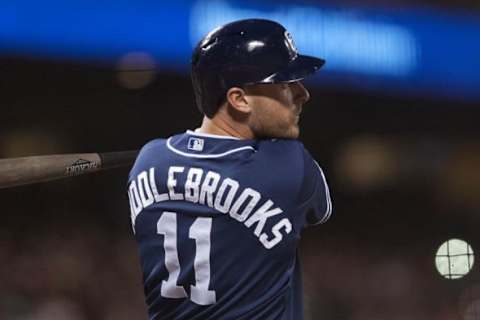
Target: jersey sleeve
{"x": 315, "y": 194}
{"x": 145, "y": 159}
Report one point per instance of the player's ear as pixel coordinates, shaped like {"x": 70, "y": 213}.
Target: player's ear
{"x": 237, "y": 98}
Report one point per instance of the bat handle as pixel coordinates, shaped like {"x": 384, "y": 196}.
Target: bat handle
{"x": 117, "y": 159}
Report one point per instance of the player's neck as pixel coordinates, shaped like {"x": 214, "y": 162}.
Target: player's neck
{"x": 218, "y": 125}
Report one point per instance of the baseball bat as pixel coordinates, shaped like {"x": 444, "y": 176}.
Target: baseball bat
{"x": 27, "y": 170}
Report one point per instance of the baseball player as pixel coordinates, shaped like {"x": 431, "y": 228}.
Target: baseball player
{"x": 217, "y": 212}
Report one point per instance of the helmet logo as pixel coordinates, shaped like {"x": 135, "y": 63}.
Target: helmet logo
{"x": 292, "y": 50}
{"x": 252, "y": 45}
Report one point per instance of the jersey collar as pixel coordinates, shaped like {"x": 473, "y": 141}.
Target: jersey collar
{"x": 209, "y": 135}
{"x": 201, "y": 145}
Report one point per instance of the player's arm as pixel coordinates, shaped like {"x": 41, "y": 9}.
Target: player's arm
{"x": 315, "y": 194}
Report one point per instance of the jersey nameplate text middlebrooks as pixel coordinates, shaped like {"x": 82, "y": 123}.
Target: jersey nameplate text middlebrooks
{"x": 209, "y": 188}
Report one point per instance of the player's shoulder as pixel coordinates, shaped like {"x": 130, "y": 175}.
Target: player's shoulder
{"x": 148, "y": 154}
{"x": 151, "y": 148}
{"x": 153, "y": 144}
{"x": 277, "y": 143}
{"x": 289, "y": 153}
{"x": 282, "y": 148}
{"x": 285, "y": 156}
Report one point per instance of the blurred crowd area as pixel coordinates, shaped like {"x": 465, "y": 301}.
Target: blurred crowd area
{"x": 403, "y": 175}
{"x": 80, "y": 272}
{"x": 71, "y": 273}
{"x": 355, "y": 282}
{"x": 402, "y": 169}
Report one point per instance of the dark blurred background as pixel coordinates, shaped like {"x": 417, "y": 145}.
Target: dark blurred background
{"x": 399, "y": 147}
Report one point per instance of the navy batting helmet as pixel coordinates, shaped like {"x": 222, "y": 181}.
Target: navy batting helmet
{"x": 245, "y": 52}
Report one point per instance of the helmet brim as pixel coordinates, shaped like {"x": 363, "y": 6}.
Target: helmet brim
{"x": 299, "y": 68}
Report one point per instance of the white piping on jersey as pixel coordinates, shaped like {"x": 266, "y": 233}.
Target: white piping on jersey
{"x": 328, "y": 212}
{"x": 209, "y": 135}
{"x": 206, "y": 156}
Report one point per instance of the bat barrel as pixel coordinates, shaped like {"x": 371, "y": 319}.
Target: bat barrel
{"x": 29, "y": 170}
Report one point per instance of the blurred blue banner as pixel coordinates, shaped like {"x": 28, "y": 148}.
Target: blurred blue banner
{"x": 409, "y": 52}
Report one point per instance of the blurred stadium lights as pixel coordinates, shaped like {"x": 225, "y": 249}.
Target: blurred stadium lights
{"x": 462, "y": 179}
{"x": 373, "y": 162}
{"x": 413, "y": 51}
{"x": 136, "y": 70}
{"x": 367, "y": 162}
{"x": 27, "y": 142}
{"x": 348, "y": 42}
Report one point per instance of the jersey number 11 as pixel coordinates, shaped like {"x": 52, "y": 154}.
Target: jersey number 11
{"x": 199, "y": 231}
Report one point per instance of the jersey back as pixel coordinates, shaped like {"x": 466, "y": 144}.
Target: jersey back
{"x": 217, "y": 221}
